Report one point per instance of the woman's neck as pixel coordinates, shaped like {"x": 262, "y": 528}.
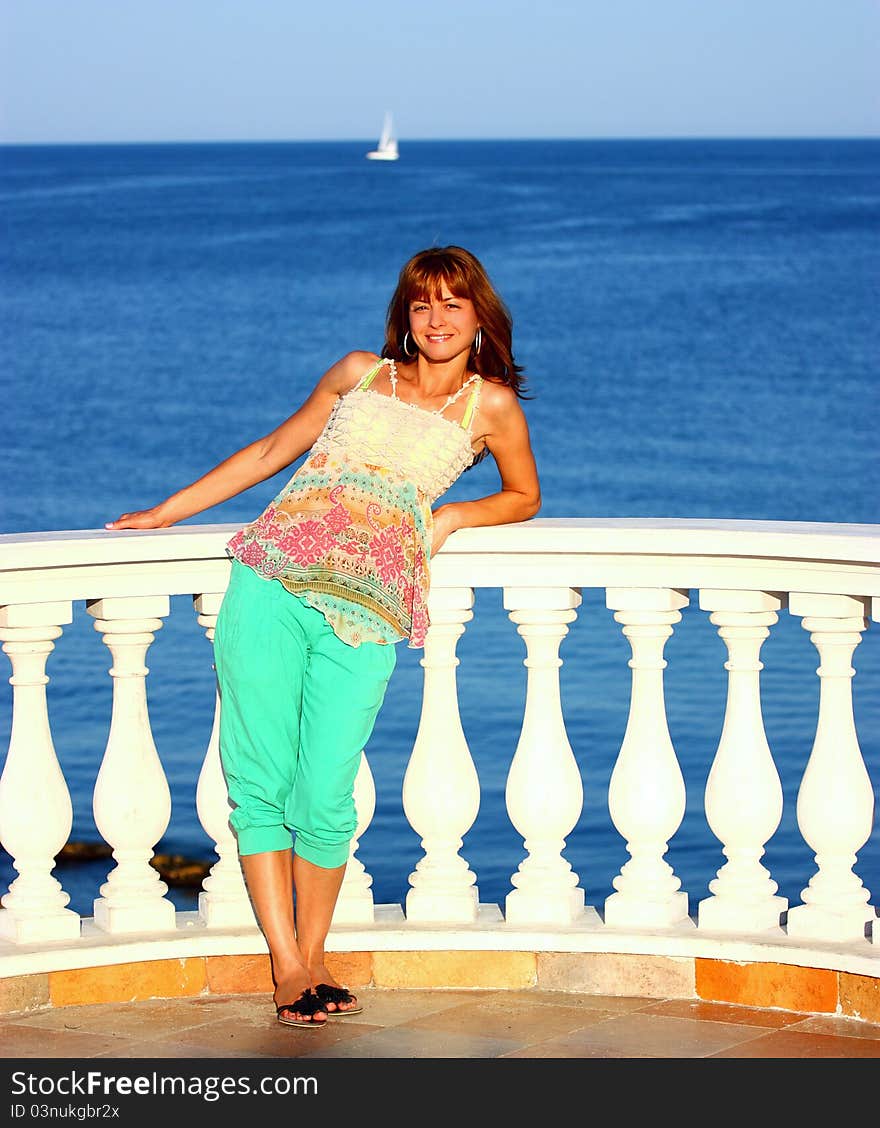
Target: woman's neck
{"x": 430, "y": 379}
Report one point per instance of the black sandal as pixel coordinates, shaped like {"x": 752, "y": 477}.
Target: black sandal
{"x": 338, "y": 995}
{"x": 307, "y": 1003}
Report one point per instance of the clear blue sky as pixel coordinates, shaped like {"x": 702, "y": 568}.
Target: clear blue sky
{"x": 155, "y": 70}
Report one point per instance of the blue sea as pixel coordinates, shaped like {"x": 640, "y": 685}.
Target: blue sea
{"x": 698, "y": 322}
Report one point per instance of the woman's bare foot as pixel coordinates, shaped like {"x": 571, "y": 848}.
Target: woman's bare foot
{"x": 295, "y": 1002}
{"x": 336, "y": 998}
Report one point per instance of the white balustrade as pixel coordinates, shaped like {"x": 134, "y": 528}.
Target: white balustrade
{"x": 745, "y": 573}
{"x": 132, "y": 801}
{"x": 355, "y": 904}
{"x": 223, "y": 900}
{"x": 441, "y": 789}
{"x": 835, "y": 806}
{"x": 544, "y": 793}
{"x": 646, "y": 796}
{"x": 743, "y": 791}
{"x": 36, "y": 814}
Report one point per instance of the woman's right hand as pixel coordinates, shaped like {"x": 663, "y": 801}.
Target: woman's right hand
{"x": 142, "y": 519}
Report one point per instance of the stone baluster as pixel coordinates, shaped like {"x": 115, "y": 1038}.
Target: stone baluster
{"x": 835, "y": 806}
{"x": 646, "y": 795}
{"x": 441, "y": 789}
{"x": 36, "y": 814}
{"x": 223, "y": 900}
{"x": 544, "y": 792}
{"x": 132, "y": 800}
{"x": 743, "y": 792}
{"x": 355, "y": 903}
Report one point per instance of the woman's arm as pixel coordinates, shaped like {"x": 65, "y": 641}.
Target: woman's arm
{"x": 260, "y": 459}
{"x": 507, "y": 437}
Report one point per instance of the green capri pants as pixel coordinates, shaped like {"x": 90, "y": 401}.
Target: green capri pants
{"x": 297, "y": 706}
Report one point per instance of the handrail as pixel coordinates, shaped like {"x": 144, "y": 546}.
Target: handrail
{"x": 807, "y": 541}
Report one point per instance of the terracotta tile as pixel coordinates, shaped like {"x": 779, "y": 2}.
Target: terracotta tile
{"x": 563, "y": 1048}
{"x": 353, "y": 969}
{"x": 241, "y": 1026}
{"x": 616, "y": 973}
{"x": 793, "y": 1044}
{"x": 173, "y": 1050}
{"x": 24, "y": 992}
{"x": 519, "y": 1022}
{"x": 616, "y": 1004}
{"x": 655, "y": 1036}
{"x": 402, "y": 1042}
{"x": 154, "y": 1018}
{"x": 802, "y": 989}
{"x": 860, "y": 996}
{"x": 127, "y": 982}
{"x": 268, "y": 1038}
{"x": 723, "y": 1012}
{"x": 391, "y": 1007}
{"x": 24, "y": 1041}
{"x": 454, "y": 969}
{"x": 228, "y": 975}
{"x": 839, "y": 1027}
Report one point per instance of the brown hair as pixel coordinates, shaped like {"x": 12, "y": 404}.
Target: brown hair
{"x": 423, "y": 277}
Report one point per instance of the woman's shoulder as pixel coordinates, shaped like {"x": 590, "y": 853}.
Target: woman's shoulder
{"x": 501, "y": 416}
{"x": 360, "y": 360}
{"x": 498, "y": 398}
{"x": 351, "y": 368}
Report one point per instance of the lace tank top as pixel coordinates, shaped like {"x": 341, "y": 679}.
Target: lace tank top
{"x": 351, "y": 531}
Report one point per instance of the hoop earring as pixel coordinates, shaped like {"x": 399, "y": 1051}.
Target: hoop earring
{"x": 478, "y": 340}
{"x": 406, "y": 351}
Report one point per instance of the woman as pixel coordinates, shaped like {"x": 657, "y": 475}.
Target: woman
{"x": 334, "y": 572}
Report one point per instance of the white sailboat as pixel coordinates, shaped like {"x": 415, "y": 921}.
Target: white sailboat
{"x": 386, "y": 150}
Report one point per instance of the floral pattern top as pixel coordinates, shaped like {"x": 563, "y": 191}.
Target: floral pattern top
{"x": 351, "y": 531}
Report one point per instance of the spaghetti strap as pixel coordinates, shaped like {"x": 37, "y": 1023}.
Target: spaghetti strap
{"x": 469, "y": 411}
{"x": 370, "y": 376}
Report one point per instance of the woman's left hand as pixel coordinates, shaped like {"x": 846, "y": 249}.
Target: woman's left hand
{"x": 445, "y": 522}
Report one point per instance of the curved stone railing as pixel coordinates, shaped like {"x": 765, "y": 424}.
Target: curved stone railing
{"x": 743, "y": 573}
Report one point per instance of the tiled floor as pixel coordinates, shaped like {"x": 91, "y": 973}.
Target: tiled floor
{"x": 436, "y": 1024}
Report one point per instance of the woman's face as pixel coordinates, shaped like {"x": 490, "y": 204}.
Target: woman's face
{"x": 443, "y": 326}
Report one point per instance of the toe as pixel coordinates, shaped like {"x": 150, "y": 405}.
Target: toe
{"x": 316, "y": 1016}
{"x": 306, "y": 1008}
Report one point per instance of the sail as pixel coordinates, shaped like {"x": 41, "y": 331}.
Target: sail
{"x": 386, "y": 150}
{"x": 387, "y": 137}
